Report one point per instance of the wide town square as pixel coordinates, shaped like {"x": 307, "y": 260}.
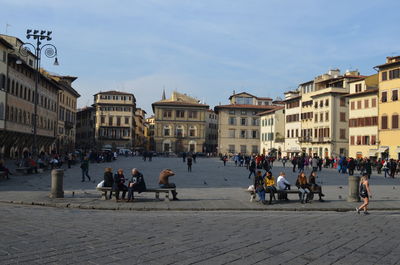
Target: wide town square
{"x": 199, "y": 132}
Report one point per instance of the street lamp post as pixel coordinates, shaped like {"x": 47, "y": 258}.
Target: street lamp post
{"x": 50, "y": 51}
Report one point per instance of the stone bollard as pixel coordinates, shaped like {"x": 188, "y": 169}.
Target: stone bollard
{"x": 354, "y": 193}
{"x": 57, "y": 183}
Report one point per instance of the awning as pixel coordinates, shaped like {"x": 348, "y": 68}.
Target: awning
{"x": 397, "y": 149}
{"x": 359, "y": 153}
{"x": 372, "y": 152}
{"x": 383, "y": 149}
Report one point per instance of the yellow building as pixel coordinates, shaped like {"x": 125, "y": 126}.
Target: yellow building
{"x": 389, "y": 107}
{"x": 306, "y": 117}
{"x": 180, "y": 124}
{"x": 363, "y": 117}
{"x": 272, "y": 131}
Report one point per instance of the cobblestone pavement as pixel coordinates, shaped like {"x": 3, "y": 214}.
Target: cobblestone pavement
{"x": 41, "y": 235}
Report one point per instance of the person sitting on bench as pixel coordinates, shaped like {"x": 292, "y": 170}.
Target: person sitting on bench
{"x": 283, "y": 184}
{"x": 136, "y": 183}
{"x": 314, "y": 187}
{"x": 108, "y": 180}
{"x": 164, "y": 182}
{"x": 270, "y": 186}
{"x": 119, "y": 180}
{"x": 303, "y": 186}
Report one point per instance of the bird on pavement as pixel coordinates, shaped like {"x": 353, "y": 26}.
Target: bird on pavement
{"x": 205, "y": 183}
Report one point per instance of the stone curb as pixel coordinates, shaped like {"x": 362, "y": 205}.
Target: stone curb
{"x": 140, "y": 209}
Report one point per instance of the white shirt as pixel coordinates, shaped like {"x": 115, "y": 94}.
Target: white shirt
{"x": 281, "y": 181}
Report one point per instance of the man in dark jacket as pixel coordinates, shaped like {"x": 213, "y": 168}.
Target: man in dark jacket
{"x": 136, "y": 183}
{"x": 252, "y": 168}
{"x": 351, "y": 166}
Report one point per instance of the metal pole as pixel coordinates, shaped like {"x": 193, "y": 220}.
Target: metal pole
{"x": 34, "y": 147}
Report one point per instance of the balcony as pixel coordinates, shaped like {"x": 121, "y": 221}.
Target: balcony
{"x": 321, "y": 140}
{"x": 305, "y": 139}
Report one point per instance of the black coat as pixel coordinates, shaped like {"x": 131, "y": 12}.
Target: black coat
{"x": 138, "y": 183}
{"x": 108, "y": 179}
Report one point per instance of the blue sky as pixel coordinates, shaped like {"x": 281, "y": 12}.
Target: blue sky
{"x": 207, "y": 48}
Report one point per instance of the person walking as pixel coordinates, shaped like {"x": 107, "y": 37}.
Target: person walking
{"x": 314, "y": 163}
{"x": 365, "y": 194}
{"x": 189, "y": 163}
{"x": 85, "y": 169}
{"x": 252, "y": 168}
{"x": 284, "y": 160}
{"x": 224, "y": 159}
{"x": 368, "y": 168}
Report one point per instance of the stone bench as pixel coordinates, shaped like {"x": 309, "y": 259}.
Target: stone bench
{"x": 22, "y": 169}
{"x": 3, "y": 175}
{"x": 280, "y": 193}
{"x": 157, "y": 192}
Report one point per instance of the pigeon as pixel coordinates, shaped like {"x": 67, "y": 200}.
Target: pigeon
{"x": 225, "y": 179}
{"x": 340, "y": 187}
{"x": 205, "y": 183}
{"x": 340, "y": 197}
{"x": 73, "y": 193}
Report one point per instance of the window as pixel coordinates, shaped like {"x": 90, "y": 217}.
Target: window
{"x": 395, "y": 121}
{"x": 342, "y": 133}
{"x": 192, "y": 131}
{"x": 359, "y": 104}
{"x": 316, "y": 118}
{"x": 255, "y": 122}
{"x": 180, "y": 113}
{"x": 179, "y": 131}
{"x": 110, "y": 121}
{"x": 321, "y": 117}
{"x": 393, "y": 74}
{"x": 384, "y": 76}
{"x": 358, "y": 88}
{"x": 343, "y": 102}
{"x": 254, "y": 134}
{"x": 352, "y": 140}
{"x": 254, "y": 149}
{"x": 232, "y": 121}
{"x": 193, "y": 114}
{"x": 326, "y": 132}
{"x": 243, "y": 121}
{"x": 384, "y": 122}
{"x": 352, "y": 105}
{"x": 395, "y": 95}
{"x": 297, "y": 132}
{"x": 358, "y": 140}
{"x": 366, "y": 103}
{"x": 243, "y": 112}
{"x": 326, "y": 102}
{"x": 373, "y": 139}
{"x": 126, "y": 120}
{"x": 343, "y": 116}
{"x": 384, "y": 96}
{"x": 243, "y": 100}
{"x": 102, "y": 119}
{"x": 231, "y": 148}
{"x": 326, "y": 116}
{"x": 167, "y": 114}
{"x": 231, "y": 133}
{"x": 288, "y": 133}
{"x": 232, "y": 112}
{"x": 243, "y": 149}
{"x": 242, "y": 134}
{"x": 167, "y": 131}
{"x": 118, "y": 121}
{"x": 373, "y": 103}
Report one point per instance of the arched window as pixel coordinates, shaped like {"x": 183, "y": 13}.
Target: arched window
{"x": 192, "y": 131}
{"x": 167, "y": 130}
{"x": 179, "y": 131}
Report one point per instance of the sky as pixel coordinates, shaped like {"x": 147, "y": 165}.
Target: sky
{"x": 208, "y": 48}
